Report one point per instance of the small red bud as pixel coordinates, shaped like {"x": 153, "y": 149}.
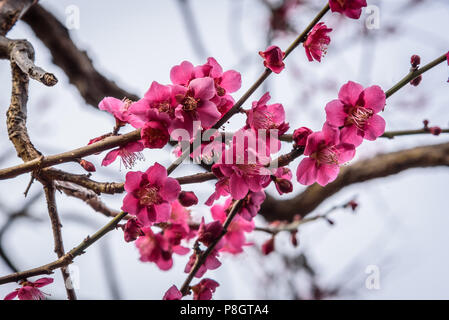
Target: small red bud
{"x": 284, "y": 185}
{"x": 352, "y": 204}
{"x": 293, "y": 238}
{"x": 435, "y": 131}
{"x": 88, "y": 166}
{"x": 415, "y": 61}
{"x": 187, "y": 198}
{"x": 426, "y": 123}
{"x": 415, "y": 82}
{"x": 268, "y": 246}
{"x": 300, "y": 136}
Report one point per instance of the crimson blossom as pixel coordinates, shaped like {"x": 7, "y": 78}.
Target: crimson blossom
{"x": 355, "y": 111}
{"x": 317, "y": 42}
{"x": 149, "y": 194}
{"x": 273, "y": 58}
{"x": 350, "y": 8}
{"x": 325, "y": 153}
{"x": 29, "y": 290}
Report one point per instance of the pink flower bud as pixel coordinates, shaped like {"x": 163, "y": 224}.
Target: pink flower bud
{"x": 187, "y": 198}
{"x": 426, "y": 123}
{"x": 415, "y": 82}
{"x": 132, "y": 230}
{"x": 435, "y": 131}
{"x": 300, "y": 136}
{"x": 284, "y": 185}
{"x": 208, "y": 233}
{"x": 88, "y": 166}
{"x": 273, "y": 58}
{"x": 268, "y": 246}
{"x": 415, "y": 61}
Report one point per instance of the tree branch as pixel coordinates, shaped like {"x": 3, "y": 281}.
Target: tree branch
{"x": 380, "y": 166}
{"x": 77, "y": 65}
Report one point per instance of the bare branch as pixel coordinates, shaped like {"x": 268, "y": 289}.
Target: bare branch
{"x": 380, "y": 166}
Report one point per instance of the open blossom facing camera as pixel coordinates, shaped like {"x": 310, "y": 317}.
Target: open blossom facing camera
{"x": 355, "y": 111}
{"x": 29, "y": 290}
{"x": 149, "y": 194}
{"x": 350, "y": 8}
{"x": 273, "y": 59}
{"x": 324, "y": 154}
{"x": 317, "y": 42}
{"x": 244, "y": 164}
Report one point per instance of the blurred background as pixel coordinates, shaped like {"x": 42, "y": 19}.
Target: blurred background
{"x": 399, "y": 230}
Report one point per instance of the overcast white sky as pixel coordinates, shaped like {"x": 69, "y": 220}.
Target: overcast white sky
{"x": 402, "y": 223}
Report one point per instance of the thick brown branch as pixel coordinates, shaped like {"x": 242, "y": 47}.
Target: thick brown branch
{"x": 43, "y": 162}
{"x": 79, "y": 68}
{"x": 10, "y": 12}
{"x": 380, "y": 166}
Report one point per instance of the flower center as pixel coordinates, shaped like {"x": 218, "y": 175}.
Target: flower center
{"x": 189, "y": 103}
{"x": 342, "y": 3}
{"x": 166, "y": 108}
{"x": 264, "y": 120}
{"x": 328, "y": 155}
{"x": 359, "y": 116}
{"x": 148, "y": 195}
{"x": 129, "y": 159}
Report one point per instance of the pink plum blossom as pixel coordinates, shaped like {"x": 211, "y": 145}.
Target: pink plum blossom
{"x": 225, "y": 82}
{"x": 251, "y": 205}
{"x": 132, "y": 230}
{"x": 263, "y": 116}
{"x": 129, "y": 153}
{"x": 209, "y": 233}
{"x": 204, "y": 289}
{"x": 172, "y": 294}
{"x": 243, "y": 165}
{"x": 157, "y": 102}
{"x": 324, "y": 154}
{"x": 195, "y": 104}
{"x": 29, "y": 290}
{"x": 211, "y": 263}
{"x": 350, "y": 8}
{"x": 149, "y": 194}
{"x": 155, "y": 248}
{"x": 221, "y": 187}
{"x": 273, "y": 58}
{"x": 234, "y": 240}
{"x": 317, "y": 42}
{"x": 118, "y": 108}
{"x": 355, "y": 111}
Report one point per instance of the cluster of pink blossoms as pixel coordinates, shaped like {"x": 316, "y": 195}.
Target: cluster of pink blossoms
{"x": 197, "y": 94}
{"x": 350, "y": 119}
{"x": 200, "y": 95}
